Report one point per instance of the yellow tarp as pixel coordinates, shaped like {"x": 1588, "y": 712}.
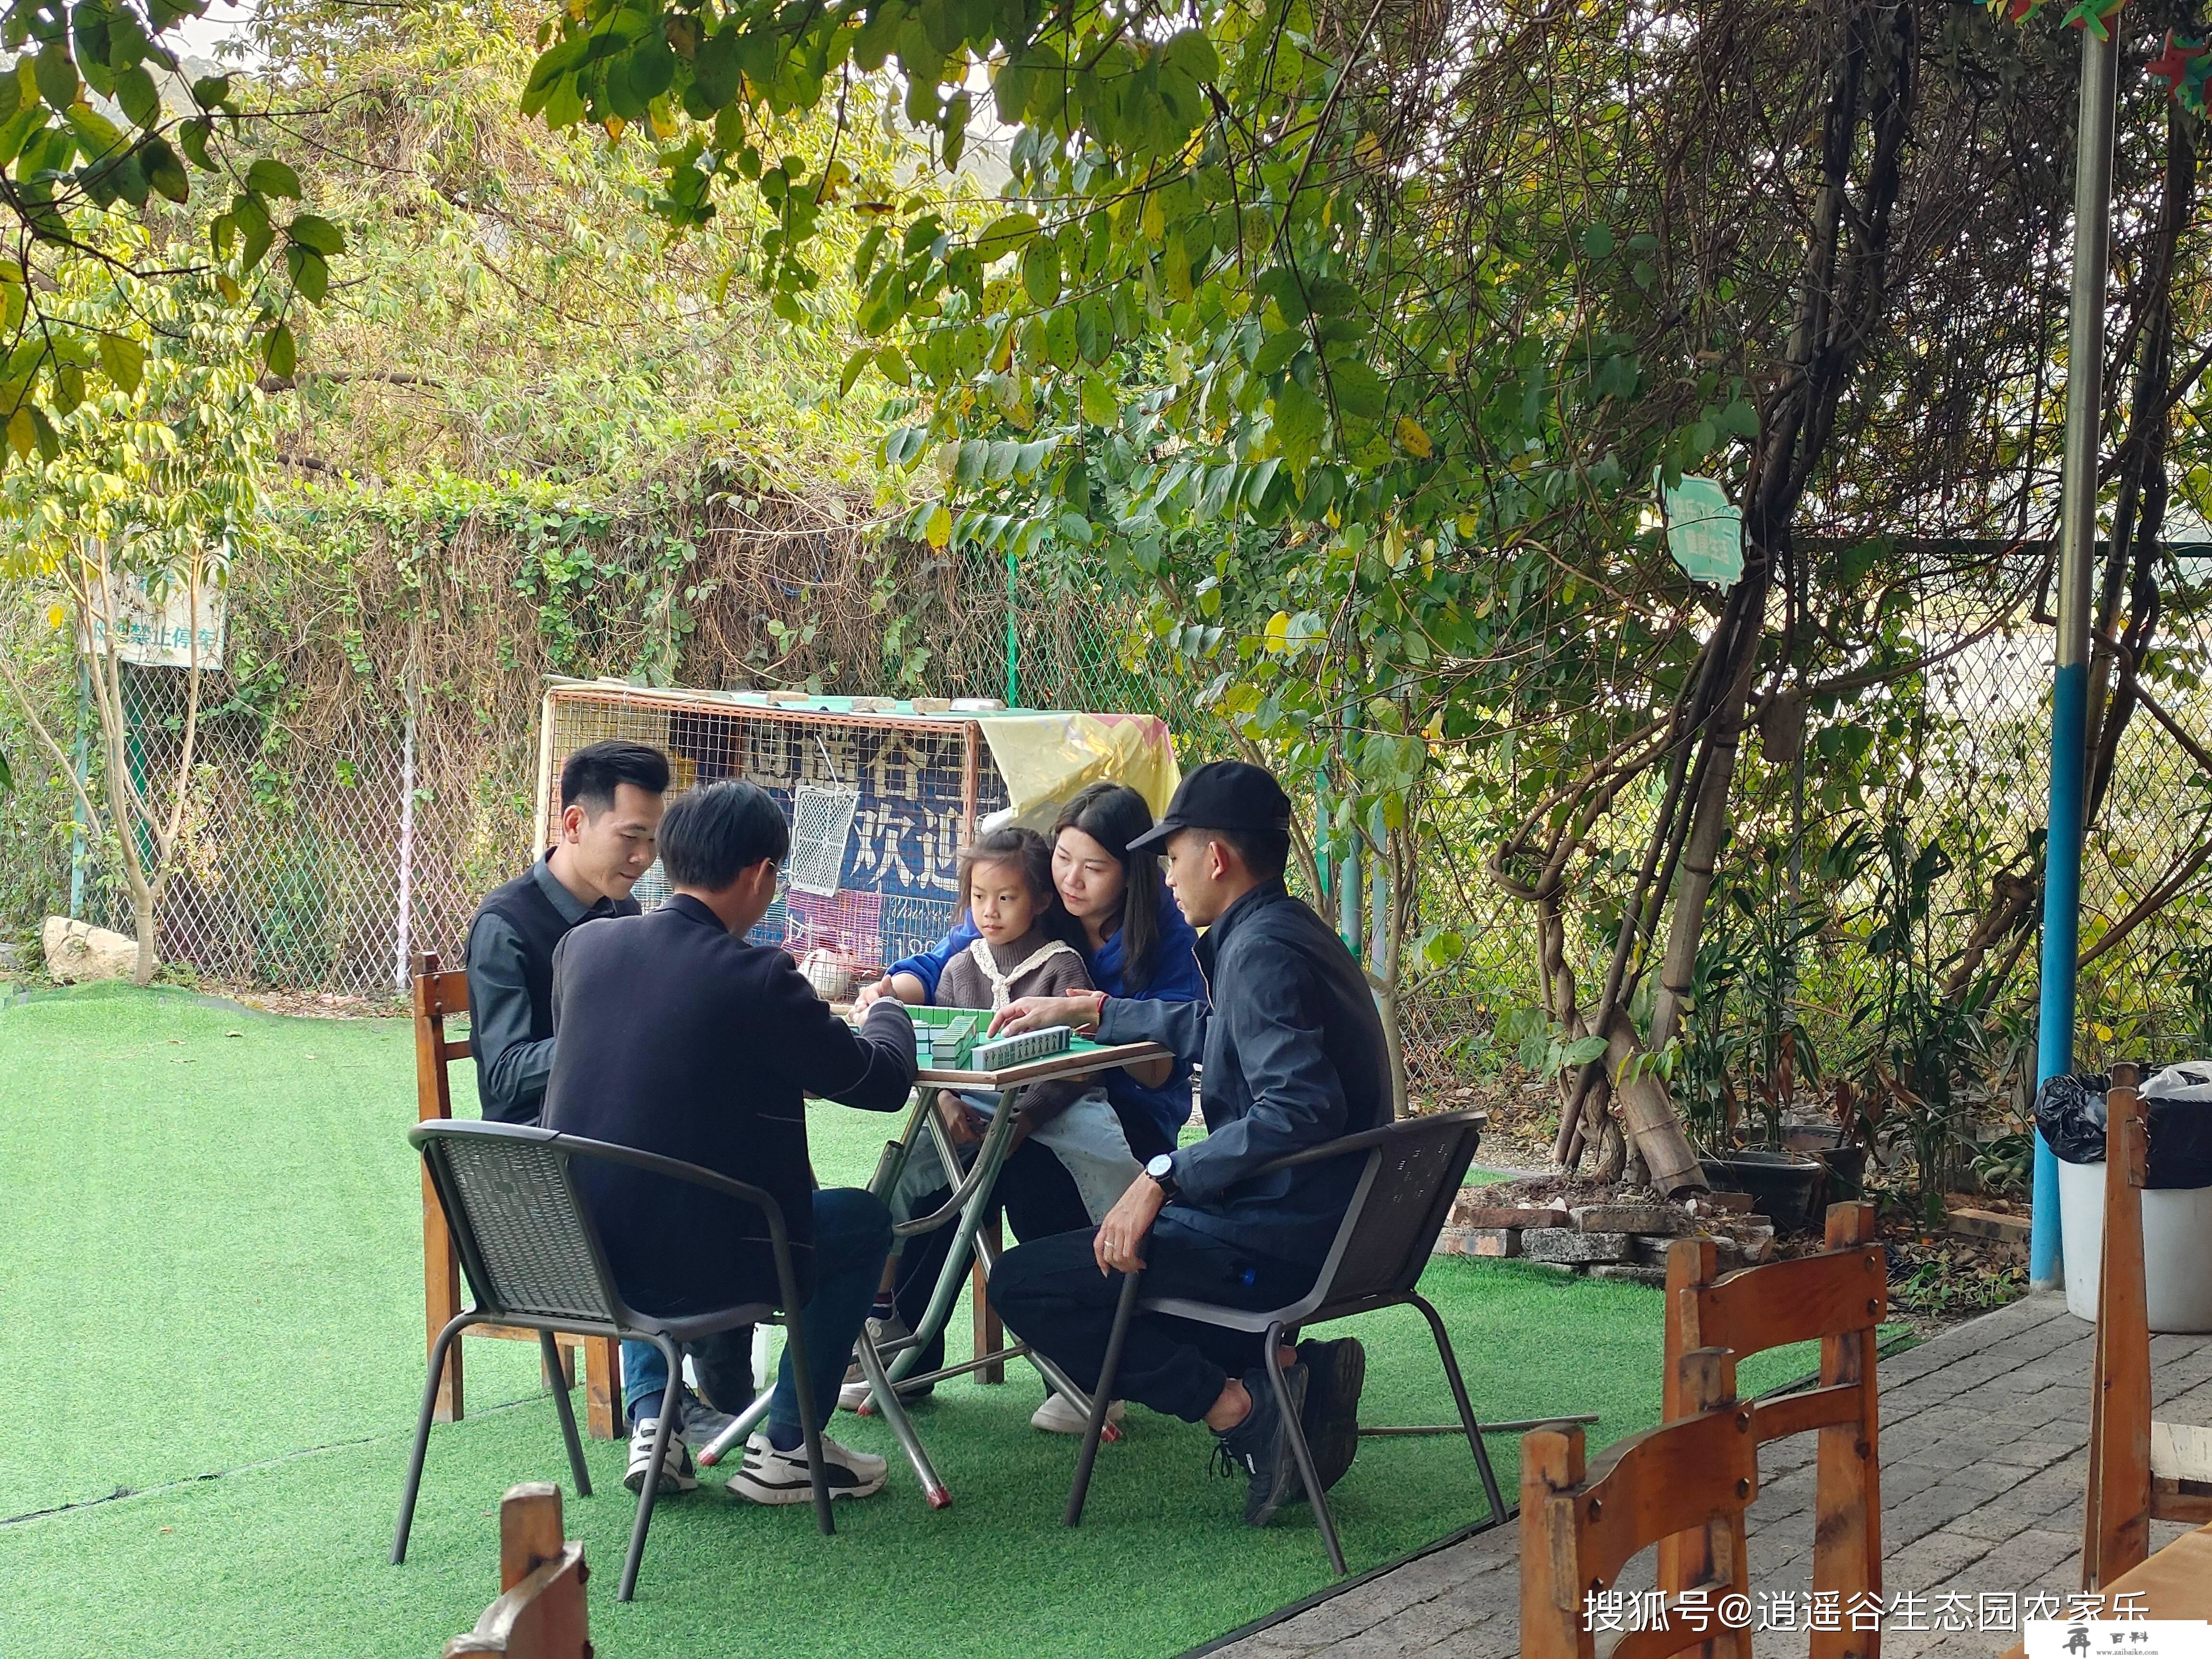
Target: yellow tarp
{"x": 1047, "y": 758}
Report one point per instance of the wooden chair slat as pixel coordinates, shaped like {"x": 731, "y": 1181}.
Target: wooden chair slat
{"x": 1664, "y": 1481}
{"x": 1815, "y": 1408}
{"x": 1785, "y": 1302}
{"x": 540, "y": 1612}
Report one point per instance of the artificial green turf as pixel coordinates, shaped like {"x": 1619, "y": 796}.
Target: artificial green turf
{"x": 212, "y": 1255}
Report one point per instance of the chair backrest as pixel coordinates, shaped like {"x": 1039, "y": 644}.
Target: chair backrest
{"x": 1841, "y": 1297}
{"x": 1693, "y": 1477}
{"x": 540, "y": 1612}
{"x": 2120, "y": 1504}
{"x": 437, "y": 995}
{"x": 1414, "y": 1171}
{"x": 519, "y": 1225}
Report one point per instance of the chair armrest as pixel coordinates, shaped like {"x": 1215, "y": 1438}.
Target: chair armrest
{"x": 1366, "y": 1141}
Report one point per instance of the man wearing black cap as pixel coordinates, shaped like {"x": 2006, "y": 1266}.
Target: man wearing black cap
{"x": 1294, "y": 1057}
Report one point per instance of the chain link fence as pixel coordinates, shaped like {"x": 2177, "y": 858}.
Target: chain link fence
{"x": 332, "y": 834}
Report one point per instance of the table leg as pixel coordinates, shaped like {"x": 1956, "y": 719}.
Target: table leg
{"x": 990, "y": 1334}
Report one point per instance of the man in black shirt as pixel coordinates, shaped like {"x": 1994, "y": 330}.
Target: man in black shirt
{"x": 611, "y": 805}
{"x": 676, "y": 1036}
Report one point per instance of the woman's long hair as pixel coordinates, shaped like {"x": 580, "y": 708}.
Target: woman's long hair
{"x": 1031, "y": 854}
{"x": 1114, "y": 815}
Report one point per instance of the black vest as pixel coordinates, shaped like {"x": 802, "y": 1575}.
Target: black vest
{"x": 522, "y": 904}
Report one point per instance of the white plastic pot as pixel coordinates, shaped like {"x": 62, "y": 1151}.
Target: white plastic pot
{"x": 2177, "y": 1248}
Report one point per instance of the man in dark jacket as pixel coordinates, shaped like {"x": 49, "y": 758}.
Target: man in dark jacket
{"x": 1294, "y": 1057}
{"x": 610, "y": 804}
{"x": 676, "y": 1036}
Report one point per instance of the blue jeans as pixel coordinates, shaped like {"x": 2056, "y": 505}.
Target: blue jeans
{"x": 725, "y": 1364}
{"x": 852, "y": 1238}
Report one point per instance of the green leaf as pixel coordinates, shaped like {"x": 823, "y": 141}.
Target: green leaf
{"x": 1041, "y": 271}
{"x": 313, "y": 231}
{"x": 1191, "y": 52}
{"x": 714, "y": 70}
{"x": 268, "y": 177}
{"x": 855, "y": 366}
{"x": 163, "y": 170}
{"x": 1100, "y": 407}
{"x": 123, "y": 360}
{"x": 1597, "y": 241}
{"x": 56, "y": 73}
{"x": 210, "y": 90}
{"x": 1004, "y": 235}
{"x": 135, "y": 92}
{"x": 280, "y": 351}
{"x": 1275, "y": 354}
{"x": 1300, "y": 420}
{"x": 1582, "y": 1051}
{"x": 308, "y": 272}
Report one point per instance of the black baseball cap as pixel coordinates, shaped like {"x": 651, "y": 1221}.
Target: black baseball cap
{"x": 1222, "y": 795}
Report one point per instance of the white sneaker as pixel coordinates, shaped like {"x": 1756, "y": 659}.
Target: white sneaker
{"x": 769, "y": 1476}
{"x": 884, "y": 1332}
{"x": 1058, "y": 1415}
{"x": 677, "y": 1474}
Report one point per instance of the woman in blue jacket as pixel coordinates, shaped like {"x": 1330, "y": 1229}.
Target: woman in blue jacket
{"x": 1138, "y": 945}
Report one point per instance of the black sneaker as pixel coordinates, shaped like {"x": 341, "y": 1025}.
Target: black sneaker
{"x": 1260, "y": 1445}
{"x": 1338, "y": 1370}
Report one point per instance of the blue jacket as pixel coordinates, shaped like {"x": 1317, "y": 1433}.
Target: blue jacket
{"x": 1294, "y": 1056}
{"x": 1154, "y": 1115}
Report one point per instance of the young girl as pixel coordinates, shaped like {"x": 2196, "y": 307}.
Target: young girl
{"x": 1026, "y": 949}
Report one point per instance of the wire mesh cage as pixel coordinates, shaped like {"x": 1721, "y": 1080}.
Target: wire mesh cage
{"x": 882, "y": 798}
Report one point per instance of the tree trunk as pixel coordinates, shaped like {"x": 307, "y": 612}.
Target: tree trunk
{"x": 1647, "y": 1113}
{"x": 141, "y": 918}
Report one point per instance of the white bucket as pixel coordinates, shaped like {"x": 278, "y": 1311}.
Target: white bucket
{"x": 2177, "y": 1248}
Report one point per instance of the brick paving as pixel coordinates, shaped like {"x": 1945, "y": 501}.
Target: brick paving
{"x": 1984, "y": 1437}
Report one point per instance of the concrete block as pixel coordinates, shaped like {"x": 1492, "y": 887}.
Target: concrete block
{"x": 1652, "y": 1220}
{"x": 1565, "y": 1244}
{"x": 1496, "y": 1241}
{"x": 1988, "y": 1224}
{"x": 1467, "y": 1214}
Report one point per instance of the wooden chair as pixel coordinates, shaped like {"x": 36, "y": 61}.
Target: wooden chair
{"x": 437, "y": 995}
{"x": 1841, "y": 1297}
{"x": 2139, "y": 1471}
{"x": 540, "y": 1611}
{"x": 1693, "y": 1476}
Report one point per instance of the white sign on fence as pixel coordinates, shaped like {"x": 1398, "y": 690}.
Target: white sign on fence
{"x": 160, "y": 634}
{"x": 1704, "y": 530}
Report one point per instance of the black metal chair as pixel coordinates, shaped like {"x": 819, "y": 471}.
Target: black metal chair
{"x": 534, "y": 1260}
{"x": 1413, "y": 1171}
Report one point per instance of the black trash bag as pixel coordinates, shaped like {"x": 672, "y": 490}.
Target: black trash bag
{"x": 2069, "y": 1112}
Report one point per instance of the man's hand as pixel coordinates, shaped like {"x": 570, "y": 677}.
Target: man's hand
{"x": 1126, "y": 1225}
{"x": 903, "y": 987}
{"x": 1028, "y": 1013}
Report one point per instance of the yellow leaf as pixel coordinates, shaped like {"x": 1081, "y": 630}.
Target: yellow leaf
{"x": 55, "y": 617}
{"x": 2104, "y": 1033}
{"x": 938, "y": 530}
{"x": 1278, "y": 632}
{"x": 22, "y": 434}
{"x": 1412, "y": 440}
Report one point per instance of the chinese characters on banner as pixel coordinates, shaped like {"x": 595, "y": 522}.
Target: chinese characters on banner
{"x": 159, "y": 634}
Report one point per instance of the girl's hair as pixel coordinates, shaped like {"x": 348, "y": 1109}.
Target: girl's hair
{"x": 1114, "y": 815}
{"x": 1031, "y": 854}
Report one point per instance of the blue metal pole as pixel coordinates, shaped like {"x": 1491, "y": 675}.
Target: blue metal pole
{"x": 2077, "y": 536}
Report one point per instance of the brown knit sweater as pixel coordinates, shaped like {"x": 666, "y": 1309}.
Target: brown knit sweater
{"x": 964, "y": 984}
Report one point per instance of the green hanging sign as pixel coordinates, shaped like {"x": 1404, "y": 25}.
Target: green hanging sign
{"x": 1704, "y": 530}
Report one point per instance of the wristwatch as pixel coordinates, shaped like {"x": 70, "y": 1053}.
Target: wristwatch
{"x": 1162, "y": 1171}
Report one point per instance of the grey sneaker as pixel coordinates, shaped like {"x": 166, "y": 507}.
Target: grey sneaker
{"x": 884, "y": 1332}
{"x": 702, "y": 1422}
{"x": 1259, "y": 1446}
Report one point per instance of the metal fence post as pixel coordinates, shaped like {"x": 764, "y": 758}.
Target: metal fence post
{"x": 2077, "y": 535}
